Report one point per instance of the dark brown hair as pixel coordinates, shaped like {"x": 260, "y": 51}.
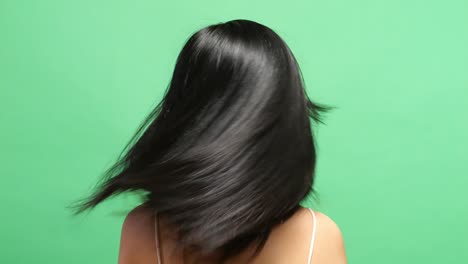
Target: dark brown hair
{"x": 229, "y": 152}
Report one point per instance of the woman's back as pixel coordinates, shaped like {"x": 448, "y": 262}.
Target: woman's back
{"x": 288, "y": 243}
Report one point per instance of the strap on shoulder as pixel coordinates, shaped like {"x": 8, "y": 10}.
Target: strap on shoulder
{"x": 312, "y": 239}
{"x": 156, "y": 238}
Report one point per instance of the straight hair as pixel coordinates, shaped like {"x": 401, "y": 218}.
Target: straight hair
{"x": 228, "y": 153}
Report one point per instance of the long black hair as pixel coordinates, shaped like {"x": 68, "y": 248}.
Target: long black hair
{"x": 229, "y": 151}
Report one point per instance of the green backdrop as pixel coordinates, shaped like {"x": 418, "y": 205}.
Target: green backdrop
{"x": 77, "y": 77}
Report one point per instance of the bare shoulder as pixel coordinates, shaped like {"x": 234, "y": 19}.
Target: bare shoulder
{"x": 329, "y": 243}
{"x": 290, "y": 241}
{"x": 302, "y": 221}
{"x": 138, "y": 216}
{"x": 137, "y": 236}
{"x": 328, "y": 226}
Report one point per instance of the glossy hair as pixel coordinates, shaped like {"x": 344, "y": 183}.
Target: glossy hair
{"x": 229, "y": 152}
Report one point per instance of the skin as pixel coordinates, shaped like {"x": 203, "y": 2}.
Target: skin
{"x": 287, "y": 244}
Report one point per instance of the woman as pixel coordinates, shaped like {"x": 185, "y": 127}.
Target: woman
{"x": 225, "y": 159}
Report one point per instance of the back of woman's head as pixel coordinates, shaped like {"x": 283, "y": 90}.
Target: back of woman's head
{"x": 229, "y": 152}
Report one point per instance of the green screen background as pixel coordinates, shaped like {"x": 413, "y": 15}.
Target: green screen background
{"x": 77, "y": 78}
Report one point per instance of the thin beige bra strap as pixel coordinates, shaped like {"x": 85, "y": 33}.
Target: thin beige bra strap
{"x": 156, "y": 238}
{"x": 312, "y": 239}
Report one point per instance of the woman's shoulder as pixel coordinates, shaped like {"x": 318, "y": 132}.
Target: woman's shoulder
{"x": 290, "y": 241}
{"x": 137, "y": 236}
{"x": 329, "y": 243}
{"x": 326, "y": 225}
{"x": 139, "y": 213}
{"x": 303, "y": 220}
{"x": 139, "y": 220}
